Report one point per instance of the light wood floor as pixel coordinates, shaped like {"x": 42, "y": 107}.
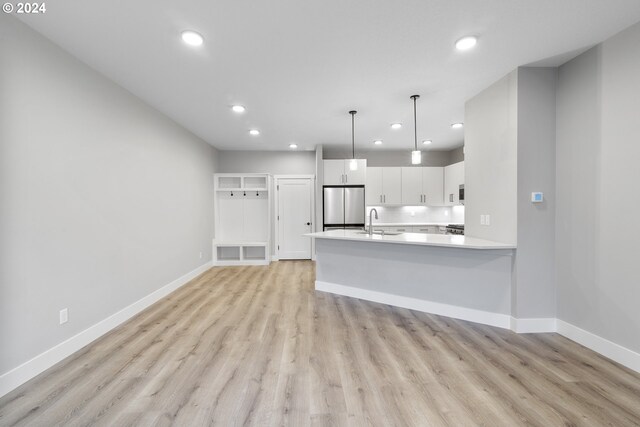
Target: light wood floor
{"x": 257, "y": 345}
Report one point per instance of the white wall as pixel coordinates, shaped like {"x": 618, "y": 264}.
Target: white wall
{"x": 491, "y": 161}
{"x": 456, "y": 155}
{"x": 597, "y": 154}
{"x": 103, "y": 200}
{"x": 510, "y": 152}
{"x": 534, "y": 295}
{"x": 273, "y": 162}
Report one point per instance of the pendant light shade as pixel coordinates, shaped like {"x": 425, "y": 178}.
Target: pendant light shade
{"x": 353, "y": 164}
{"x": 416, "y": 155}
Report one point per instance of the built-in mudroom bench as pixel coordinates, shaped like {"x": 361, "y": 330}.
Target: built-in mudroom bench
{"x": 242, "y": 218}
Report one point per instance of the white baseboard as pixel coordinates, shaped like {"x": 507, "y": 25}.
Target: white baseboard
{"x": 472, "y": 315}
{"x": 23, "y": 373}
{"x": 613, "y": 351}
{"x": 609, "y": 349}
{"x": 527, "y": 326}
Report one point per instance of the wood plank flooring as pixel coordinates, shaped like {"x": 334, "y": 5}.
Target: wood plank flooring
{"x": 258, "y": 346}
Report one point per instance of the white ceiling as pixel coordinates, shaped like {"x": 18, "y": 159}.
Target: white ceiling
{"x": 300, "y": 65}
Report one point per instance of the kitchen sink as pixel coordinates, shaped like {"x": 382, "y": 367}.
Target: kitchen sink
{"x": 386, "y": 233}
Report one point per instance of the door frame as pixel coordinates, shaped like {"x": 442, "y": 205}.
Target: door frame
{"x": 276, "y": 204}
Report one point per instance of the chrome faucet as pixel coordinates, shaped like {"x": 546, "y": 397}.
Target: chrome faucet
{"x": 372, "y": 211}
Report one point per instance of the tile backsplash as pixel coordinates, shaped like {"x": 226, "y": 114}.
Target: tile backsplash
{"x": 420, "y": 214}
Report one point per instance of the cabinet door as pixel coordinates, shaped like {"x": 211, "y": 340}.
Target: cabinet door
{"x": 426, "y": 229}
{"x": 453, "y": 178}
{"x": 433, "y": 186}
{"x": 412, "y": 186}
{"x": 373, "y": 187}
{"x": 334, "y": 172}
{"x": 358, "y": 176}
{"x": 392, "y": 186}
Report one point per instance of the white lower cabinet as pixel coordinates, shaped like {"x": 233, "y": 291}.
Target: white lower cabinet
{"x": 424, "y": 229}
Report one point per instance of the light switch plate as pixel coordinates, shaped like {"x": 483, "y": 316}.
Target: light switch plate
{"x": 64, "y": 316}
{"x": 487, "y": 219}
{"x": 482, "y": 219}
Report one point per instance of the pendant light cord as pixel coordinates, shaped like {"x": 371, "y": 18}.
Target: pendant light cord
{"x": 353, "y": 138}
{"x": 415, "y": 121}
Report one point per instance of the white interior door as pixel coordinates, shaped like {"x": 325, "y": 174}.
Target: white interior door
{"x": 294, "y": 218}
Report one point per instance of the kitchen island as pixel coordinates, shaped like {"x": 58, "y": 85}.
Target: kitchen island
{"x": 456, "y": 276}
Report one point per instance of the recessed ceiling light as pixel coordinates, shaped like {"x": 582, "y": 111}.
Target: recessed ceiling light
{"x": 427, "y": 142}
{"x": 396, "y": 125}
{"x": 293, "y": 146}
{"x": 238, "y": 108}
{"x": 466, "y": 43}
{"x": 192, "y": 38}
{"x": 456, "y": 126}
{"x": 378, "y": 142}
{"x": 254, "y": 132}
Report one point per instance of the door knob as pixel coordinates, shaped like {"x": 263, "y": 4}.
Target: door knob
{"x": 308, "y": 223}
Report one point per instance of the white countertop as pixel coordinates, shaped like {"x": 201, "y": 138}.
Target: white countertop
{"x": 442, "y": 240}
{"x": 410, "y": 224}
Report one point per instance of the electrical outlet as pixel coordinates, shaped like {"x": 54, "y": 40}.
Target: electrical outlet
{"x": 64, "y": 315}
{"x": 482, "y": 219}
{"x": 487, "y": 219}
{"x": 200, "y": 255}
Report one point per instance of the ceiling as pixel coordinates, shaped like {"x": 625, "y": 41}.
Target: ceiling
{"x": 299, "y": 66}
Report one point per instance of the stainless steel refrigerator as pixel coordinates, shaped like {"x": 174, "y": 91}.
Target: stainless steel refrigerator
{"x": 343, "y": 207}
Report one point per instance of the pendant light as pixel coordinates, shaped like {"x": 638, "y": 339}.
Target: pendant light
{"x": 416, "y": 155}
{"x": 353, "y": 164}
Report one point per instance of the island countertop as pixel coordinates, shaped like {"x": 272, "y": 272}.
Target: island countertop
{"x": 442, "y": 240}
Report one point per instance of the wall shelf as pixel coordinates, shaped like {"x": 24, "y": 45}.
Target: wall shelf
{"x": 241, "y": 253}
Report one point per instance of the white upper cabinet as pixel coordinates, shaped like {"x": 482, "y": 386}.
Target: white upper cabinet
{"x": 412, "y": 186}
{"x": 358, "y": 176}
{"x": 373, "y": 189}
{"x": 453, "y": 179}
{"x": 433, "y": 186}
{"x": 337, "y": 172}
{"x": 384, "y": 186}
{"x": 392, "y": 186}
{"x": 422, "y": 186}
{"x": 333, "y": 172}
